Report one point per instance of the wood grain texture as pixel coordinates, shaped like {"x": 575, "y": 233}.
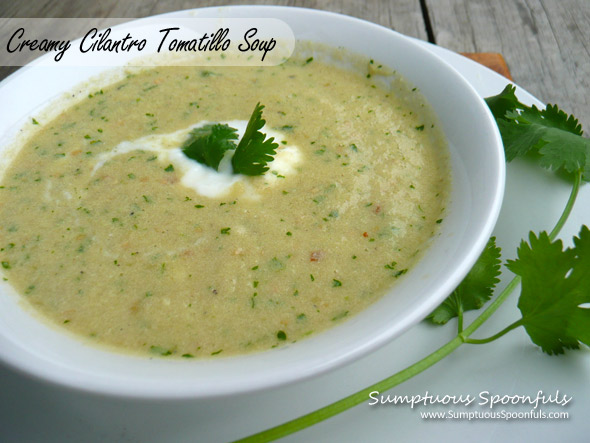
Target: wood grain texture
{"x": 404, "y": 16}
{"x": 546, "y": 43}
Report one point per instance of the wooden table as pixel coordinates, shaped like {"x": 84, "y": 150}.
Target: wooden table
{"x": 546, "y": 45}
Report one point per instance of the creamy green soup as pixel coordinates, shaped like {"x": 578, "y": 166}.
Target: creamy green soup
{"x": 108, "y": 232}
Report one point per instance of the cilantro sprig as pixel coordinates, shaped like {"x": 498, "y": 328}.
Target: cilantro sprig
{"x": 208, "y": 145}
{"x": 550, "y": 132}
{"x": 555, "y": 282}
{"x": 543, "y": 268}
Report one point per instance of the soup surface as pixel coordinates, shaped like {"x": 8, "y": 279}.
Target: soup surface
{"x": 108, "y": 230}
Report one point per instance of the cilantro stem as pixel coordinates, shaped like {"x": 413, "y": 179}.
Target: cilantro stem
{"x": 492, "y": 307}
{"x": 459, "y": 319}
{"x": 568, "y": 206}
{"x": 480, "y": 341}
{"x": 348, "y": 402}
{"x": 342, "y": 405}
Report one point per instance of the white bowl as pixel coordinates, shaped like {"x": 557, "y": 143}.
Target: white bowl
{"x": 478, "y": 170}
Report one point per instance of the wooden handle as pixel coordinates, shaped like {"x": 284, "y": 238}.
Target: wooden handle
{"x": 492, "y": 60}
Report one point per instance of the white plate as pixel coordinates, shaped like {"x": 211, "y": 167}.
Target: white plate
{"x": 478, "y": 170}
{"x": 32, "y": 411}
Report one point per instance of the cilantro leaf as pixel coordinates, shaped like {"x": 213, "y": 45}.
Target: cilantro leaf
{"x": 517, "y": 142}
{"x": 555, "y": 282}
{"x": 254, "y": 150}
{"x": 503, "y": 102}
{"x": 475, "y": 289}
{"x": 552, "y": 117}
{"x": 552, "y": 132}
{"x": 556, "y": 136}
{"x": 578, "y": 153}
{"x": 208, "y": 144}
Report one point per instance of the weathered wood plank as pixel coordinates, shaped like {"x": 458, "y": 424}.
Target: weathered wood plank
{"x": 404, "y": 16}
{"x": 545, "y": 43}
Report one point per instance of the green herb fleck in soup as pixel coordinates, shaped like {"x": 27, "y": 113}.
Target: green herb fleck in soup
{"x": 111, "y": 228}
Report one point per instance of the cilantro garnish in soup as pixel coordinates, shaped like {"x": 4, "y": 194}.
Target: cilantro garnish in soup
{"x": 197, "y": 212}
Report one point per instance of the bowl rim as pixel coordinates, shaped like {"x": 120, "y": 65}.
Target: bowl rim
{"x": 105, "y": 386}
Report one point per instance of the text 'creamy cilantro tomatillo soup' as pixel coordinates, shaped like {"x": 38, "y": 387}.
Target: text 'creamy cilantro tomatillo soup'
{"x": 112, "y": 229}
